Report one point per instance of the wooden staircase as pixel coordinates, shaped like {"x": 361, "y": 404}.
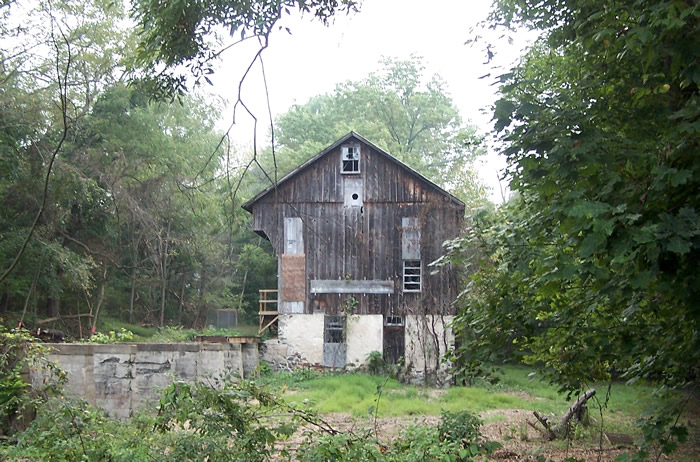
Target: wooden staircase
{"x": 268, "y": 309}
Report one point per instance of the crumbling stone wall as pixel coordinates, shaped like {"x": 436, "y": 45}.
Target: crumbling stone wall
{"x": 120, "y": 378}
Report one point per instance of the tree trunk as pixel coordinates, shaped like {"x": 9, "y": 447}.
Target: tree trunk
{"x": 200, "y": 302}
{"x": 164, "y": 244}
{"x": 181, "y": 305}
{"x": 573, "y": 410}
{"x": 100, "y": 297}
{"x": 561, "y": 430}
{"x": 132, "y": 295}
{"x": 30, "y": 294}
{"x": 53, "y": 305}
{"x": 240, "y": 301}
{"x": 4, "y": 301}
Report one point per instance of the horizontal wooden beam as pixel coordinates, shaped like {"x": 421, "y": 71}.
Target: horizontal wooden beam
{"x": 344, "y": 286}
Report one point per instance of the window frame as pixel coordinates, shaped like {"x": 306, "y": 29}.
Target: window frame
{"x": 412, "y": 266}
{"x": 394, "y": 321}
{"x": 334, "y": 329}
{"x": 355, "y": 163}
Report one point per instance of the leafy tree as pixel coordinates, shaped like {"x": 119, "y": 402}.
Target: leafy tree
{"x": 134, "y": 215}
{"x": 593, "y": 270}
{"x": 153, "y": 158}
{"x": 51, "y": 70}
{"x": 401, "y": 111}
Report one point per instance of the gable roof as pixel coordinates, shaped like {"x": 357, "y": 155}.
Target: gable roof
{"x": 248, "y": 206}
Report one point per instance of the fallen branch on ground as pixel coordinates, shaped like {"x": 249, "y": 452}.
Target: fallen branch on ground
{"x": 560, "y": 430}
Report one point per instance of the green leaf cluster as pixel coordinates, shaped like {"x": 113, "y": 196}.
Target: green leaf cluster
{"x": 18, "y": 354}
{"x": 592, "y": 270}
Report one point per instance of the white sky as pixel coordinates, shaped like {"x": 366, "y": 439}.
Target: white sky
{"x": 314, "y": 58}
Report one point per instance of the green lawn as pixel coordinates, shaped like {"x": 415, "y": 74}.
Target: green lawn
{"x": 356, "y": 393}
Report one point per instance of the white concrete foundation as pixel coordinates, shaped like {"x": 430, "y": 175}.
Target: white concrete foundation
{"x": 303, "y": 335}
{"x": 427, "y": 340}
{"x": 121, "y": 378}
{"x": 364, "y": 335}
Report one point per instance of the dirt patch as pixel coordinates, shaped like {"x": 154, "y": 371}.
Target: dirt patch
{"x": 523, "y": 395}
{"x": 522, "y": 442}
{"x": 509, "y": 432}
{"x": 509, "y": 427}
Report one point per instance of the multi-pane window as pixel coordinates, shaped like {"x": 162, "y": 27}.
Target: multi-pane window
{"x": 334, "y": 331}
{"x": 412, "y": 276}
{"x": 350, "y": 160}
{"x": 393, "y": 321}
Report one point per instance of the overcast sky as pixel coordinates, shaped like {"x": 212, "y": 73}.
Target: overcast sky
{"x": 314, "y": 58}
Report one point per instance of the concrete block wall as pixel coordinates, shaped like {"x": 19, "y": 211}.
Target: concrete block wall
{"x": 120, "y": 378}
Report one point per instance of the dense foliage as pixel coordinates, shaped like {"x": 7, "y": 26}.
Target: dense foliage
{"x": 229, "y": 422}
{"x": 18, "y": 400}
{"x": 194, "y": 422}
{"x": 593, "y": 269}
{"x": 111, "y": 204}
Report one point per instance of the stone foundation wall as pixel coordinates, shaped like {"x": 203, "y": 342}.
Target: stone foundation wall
{"x": 426, "y": 340}
{"x": 120, "y": 378}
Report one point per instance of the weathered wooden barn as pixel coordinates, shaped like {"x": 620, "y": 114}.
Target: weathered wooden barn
{"x": 354, "y": 230}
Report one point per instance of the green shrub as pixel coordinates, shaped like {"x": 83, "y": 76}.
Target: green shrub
{"x": 375, "y": 363}
{"x": 174, "y": 334}
{"x": 19, "y": 352}
{"x": 459, "y": 427}
{"x": 340, "y": 447}
{"x": 456, "y": 438}
{"x": 194, "y": 422}
{"x": 111, "y": 337}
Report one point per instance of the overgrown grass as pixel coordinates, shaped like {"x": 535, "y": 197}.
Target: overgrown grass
{"x": 518, "y": 388}
{"x": 357, "y": 393}
{"x": 173, "y": 334}
{"x": 140, "y": 332}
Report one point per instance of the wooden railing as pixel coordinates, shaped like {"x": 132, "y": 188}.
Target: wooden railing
{"x": 268, "y": 309}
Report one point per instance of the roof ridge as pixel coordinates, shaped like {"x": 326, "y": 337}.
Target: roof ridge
{"x": 352, "y": 134}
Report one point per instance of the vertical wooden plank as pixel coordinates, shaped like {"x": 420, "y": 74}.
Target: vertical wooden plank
{"x": 410, "y": 238}
{"x": 293, "y": 235}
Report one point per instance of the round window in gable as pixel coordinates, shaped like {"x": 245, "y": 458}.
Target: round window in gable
{"x": 355, "y": 196}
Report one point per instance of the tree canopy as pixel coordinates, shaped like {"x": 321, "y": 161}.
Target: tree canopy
{"x": 110, "y": 202}
{"x": 593, "y": 269}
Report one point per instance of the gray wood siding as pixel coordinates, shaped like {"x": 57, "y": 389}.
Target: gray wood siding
{"x": 364, "y": 243}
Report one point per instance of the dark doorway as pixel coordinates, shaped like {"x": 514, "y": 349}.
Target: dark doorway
{"x": 394, "y": 347}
